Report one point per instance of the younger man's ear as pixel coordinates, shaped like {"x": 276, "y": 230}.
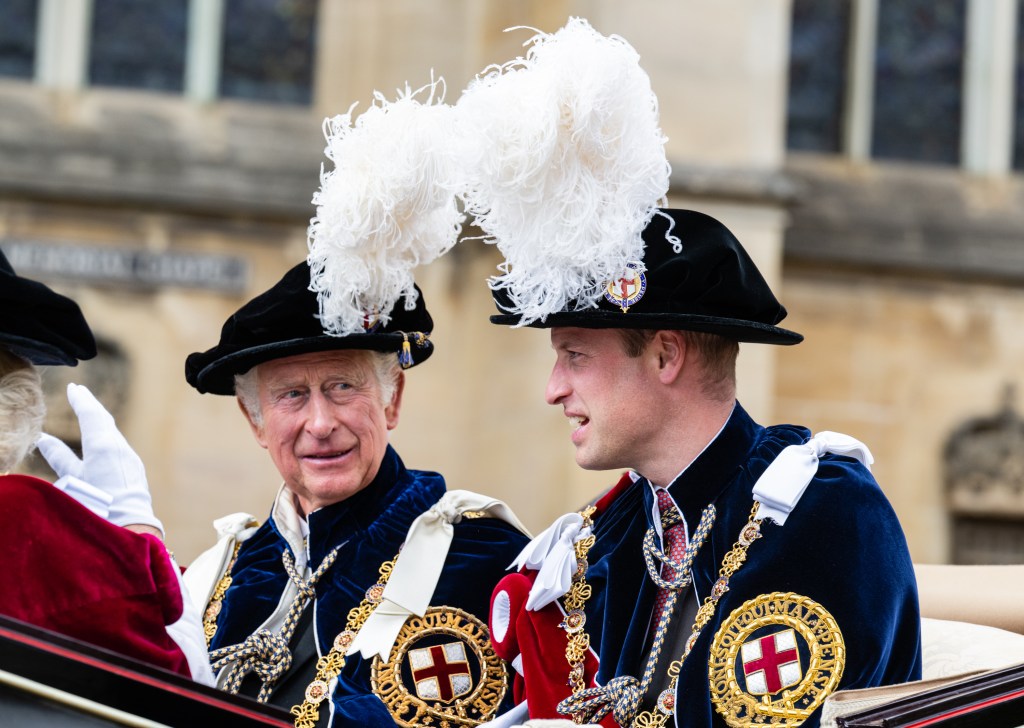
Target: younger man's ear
{"x": 671, "y": 350}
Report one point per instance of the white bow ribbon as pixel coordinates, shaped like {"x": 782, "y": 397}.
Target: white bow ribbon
{"x": 205, "y": 571}
{"x": 418, "y": 567}
{"x": 553, "y": 555}
{"x": 781, "y": 485}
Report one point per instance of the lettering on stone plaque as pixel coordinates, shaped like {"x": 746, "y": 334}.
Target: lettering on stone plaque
{"x": 126, "y": 266}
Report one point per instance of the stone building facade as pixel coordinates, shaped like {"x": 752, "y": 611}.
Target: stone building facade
{"x": 162, "y": 205}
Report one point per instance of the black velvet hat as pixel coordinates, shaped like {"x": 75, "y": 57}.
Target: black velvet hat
{"x": 39, "y": 324}
{"x": 282, "y": 322}
{"x": 710, "y": 285}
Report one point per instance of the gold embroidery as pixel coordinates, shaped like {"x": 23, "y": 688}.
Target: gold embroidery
{"x": 429, "y": 678}
{"x": 778, "y": 691}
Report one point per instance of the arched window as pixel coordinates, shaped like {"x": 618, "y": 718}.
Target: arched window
{"x": 1018, "y": 126}
{"x": 268, "y": 50}
{"x": 908, "y": 80}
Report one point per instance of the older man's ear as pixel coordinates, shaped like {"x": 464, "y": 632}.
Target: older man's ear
{"x": 395, "y": 405}
{"x": 257, "y": 427}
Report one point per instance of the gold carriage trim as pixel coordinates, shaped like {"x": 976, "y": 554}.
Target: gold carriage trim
{"x": 779, "y": 690}
{"x": 428, "y": 681}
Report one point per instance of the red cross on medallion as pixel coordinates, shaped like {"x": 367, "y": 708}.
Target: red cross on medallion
{"x": 624, "y": 286}
{"x": 442, "y": 671}
{"x": 771, "y": 661}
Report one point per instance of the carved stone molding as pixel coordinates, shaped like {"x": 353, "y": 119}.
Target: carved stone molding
{"x": 984, "y": 461}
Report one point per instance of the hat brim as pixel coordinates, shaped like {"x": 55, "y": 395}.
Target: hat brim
{"x": 752, "y": 332}
{"x": 218, "y": 377}
{"x": 39, "y": 353}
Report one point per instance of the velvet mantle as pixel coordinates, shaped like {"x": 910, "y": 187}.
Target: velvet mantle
{"x": 371, "y": 525}
{"x": 72, "y": 572}
{"x": 842, "y": 547}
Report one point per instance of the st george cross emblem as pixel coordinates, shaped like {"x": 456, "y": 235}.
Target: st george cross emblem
{"x": 441, "y": 672}
{"x": 371, "y": 321}
{"x": 627, "y": 290}
{"x": 756, "y": 670}
{"x": 771, "y": 663}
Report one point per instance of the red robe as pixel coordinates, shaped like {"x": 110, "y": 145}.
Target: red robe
{"x": 538, "y": 641}
{"x": 72, "y": 572}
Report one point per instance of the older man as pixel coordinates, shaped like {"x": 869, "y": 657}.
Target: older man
{"x": 315, "y": 608}
{"x": 738, "y": 574}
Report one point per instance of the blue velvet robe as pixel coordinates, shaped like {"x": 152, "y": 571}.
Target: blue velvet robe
{"x": 842, "y": 546}
{"x": 373, "y": 523}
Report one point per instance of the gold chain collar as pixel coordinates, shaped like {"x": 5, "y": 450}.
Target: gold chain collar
{"x": 329, "y": 666}
{"x": 217, "y": 598}
{"x": 579, "y": 640}
{"x": 574, "y": 601}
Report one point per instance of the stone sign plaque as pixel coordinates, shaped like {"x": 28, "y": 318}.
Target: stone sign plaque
{"x": 134, "y": 267}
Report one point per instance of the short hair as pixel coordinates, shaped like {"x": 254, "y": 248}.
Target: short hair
{"x": 717, "y": 354}
{"x": 385, "y": 368}
{"x": 22, "y": 409}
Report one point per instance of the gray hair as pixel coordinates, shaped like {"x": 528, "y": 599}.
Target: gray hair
{"x": 385, "y": 368}
{"x": 22, "y": 409}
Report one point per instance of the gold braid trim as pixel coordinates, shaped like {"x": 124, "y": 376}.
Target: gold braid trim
{"x": 217, "y": 598}
{"x": 329, "y": 666}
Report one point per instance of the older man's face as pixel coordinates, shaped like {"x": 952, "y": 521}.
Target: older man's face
{"x": 324, "y": 423}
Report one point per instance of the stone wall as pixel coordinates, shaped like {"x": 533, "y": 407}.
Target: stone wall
{"x": 101, "y": 168}
{"x": 906, "y": 282}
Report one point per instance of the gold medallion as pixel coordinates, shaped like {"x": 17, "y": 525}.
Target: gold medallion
{"x": 316, "y": 691}
{"x": 774, "y": 660}
{"x": 628, "y": 289}
{"x": 442, "y": 672}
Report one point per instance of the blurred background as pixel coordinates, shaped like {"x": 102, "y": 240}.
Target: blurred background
{"x": 158, "y": 157}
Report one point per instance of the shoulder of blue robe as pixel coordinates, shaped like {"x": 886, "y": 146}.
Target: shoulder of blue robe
{"x": 259, "y": 577}
{"x": 480, "y": 551}
{"x": 622, "y": 595}
{"x": 842, "y": 549}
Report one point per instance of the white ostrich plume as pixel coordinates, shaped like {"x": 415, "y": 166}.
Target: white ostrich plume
{"x": 388, "y": 205}
{"x": 565, "y": 166}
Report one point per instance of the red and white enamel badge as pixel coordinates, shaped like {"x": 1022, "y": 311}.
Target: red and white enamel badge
{"x": 442, "y": 672}
{"x": 627, "y": 290}
{"x": 774, "y": 660}
{"x": 771, "y": 663}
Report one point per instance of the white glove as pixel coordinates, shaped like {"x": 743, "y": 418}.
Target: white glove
{"x": 108, "y": 464}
